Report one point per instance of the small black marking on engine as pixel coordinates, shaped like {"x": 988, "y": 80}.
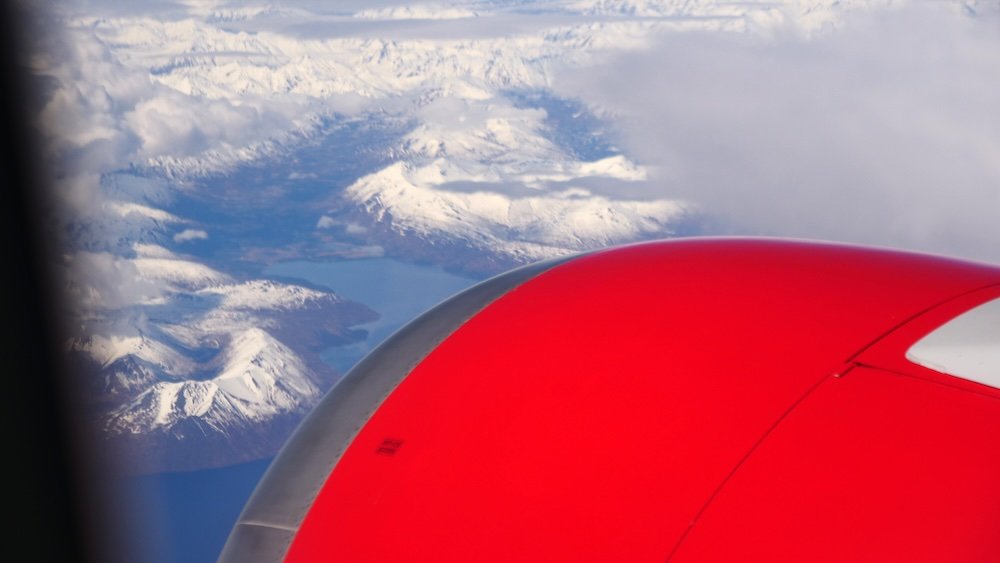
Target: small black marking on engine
{"x": 389, "y": 446}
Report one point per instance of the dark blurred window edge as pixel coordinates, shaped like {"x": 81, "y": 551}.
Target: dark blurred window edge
{"x": 58, "y": 505}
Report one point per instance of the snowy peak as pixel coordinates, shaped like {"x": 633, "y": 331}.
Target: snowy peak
{"x": 107, "y": 349}
{"x": 259, "y": 378}
{"x": 259, "y": 369}
{"x": 548, "y": 216}
{"x": 219, "y": 366}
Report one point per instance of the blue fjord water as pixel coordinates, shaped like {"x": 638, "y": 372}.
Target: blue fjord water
{"x": 397, "y": 290}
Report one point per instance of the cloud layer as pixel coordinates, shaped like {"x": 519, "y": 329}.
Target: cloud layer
{"x": 884, "y": 131}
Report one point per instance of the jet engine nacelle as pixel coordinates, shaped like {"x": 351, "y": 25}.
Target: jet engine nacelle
{"x": 691, "y": 400}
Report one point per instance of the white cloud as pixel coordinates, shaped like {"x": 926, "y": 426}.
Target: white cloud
{"x": 174, "y": 125}
{"x": 885, "y": 131}
{"x": 190, "y": 234}
{"x": 355, "y": 229}
{"x": 100, "y": 280}
{"x": 327, "y": 222}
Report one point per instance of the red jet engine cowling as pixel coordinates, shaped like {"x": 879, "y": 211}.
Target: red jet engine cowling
{"x": 689, "y": 400}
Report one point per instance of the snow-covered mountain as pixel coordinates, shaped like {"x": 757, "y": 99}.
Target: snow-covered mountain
{"x": 258, "y": 377}
{"x": 199, "y": 142}
{"x": 184, "y": 377}
{"x": 442, "y": 200}
{"x": 245, "y": 82}
{"x": 254, "y": 384}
